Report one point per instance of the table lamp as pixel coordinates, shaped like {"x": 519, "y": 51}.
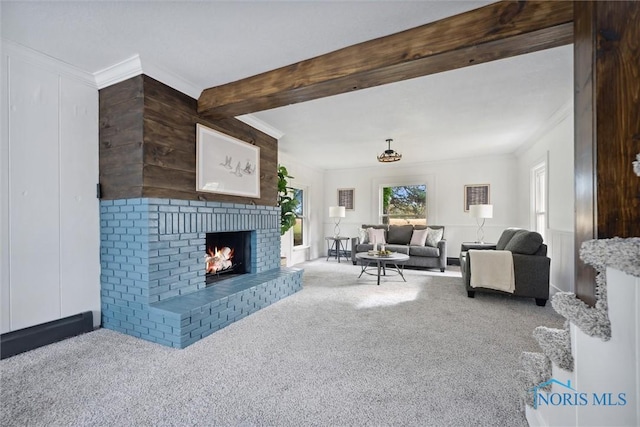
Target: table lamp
{"x": 481, "y": 212}
{"x": 337, "y": 212}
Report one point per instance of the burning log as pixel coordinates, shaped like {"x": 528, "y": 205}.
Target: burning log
{"x": 218, "y": 260}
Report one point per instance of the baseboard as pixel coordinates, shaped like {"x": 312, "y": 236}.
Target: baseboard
{"x": 554, "y": 290}
{"x": 16, "y": 342}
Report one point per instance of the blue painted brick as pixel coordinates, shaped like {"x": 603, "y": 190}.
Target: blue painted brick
{"x": 190, "y": 327}
{"x": 170, "y": 251}
{"x": 141, "y": 329}
{"x": 169, "y": 294}
{"x": 156, "y": 333}
{"x": 148, "y": 323}
{"x": 198, "y": 331}
{"x": 188, "y": 289}
{"x": 134, "y": 320}
{"x": 139, "y": 243}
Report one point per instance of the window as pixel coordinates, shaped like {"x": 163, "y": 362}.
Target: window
{"x": 404, "y": 204}
{"x": 299, "y": 229}
{"x": 539, "y": 198}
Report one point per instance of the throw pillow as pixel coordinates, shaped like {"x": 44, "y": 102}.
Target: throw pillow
{"x": 525, "y": 242}
{"x": 505, "y": 237}
{"x": 376, "y": 235}
{"x": 419, "y": 237}
{"x": 363, "y": 235}
{"x": 434, "y": 235}
{"x": 399, "y": 234}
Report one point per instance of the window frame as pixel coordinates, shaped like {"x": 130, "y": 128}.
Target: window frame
{"x": 304, "y": 217}
{"x": 411, "y": 183}
{"x": 539, "y": 197}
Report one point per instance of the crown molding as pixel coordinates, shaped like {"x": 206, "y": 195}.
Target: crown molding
{"x": 171, "y": 79}
{"x": 119, "y": 72}
{"x": 32, "y": 56}
{"x": 558, "y": 116}
{"x": 135, "y": 66}
{"x": 256, "y": 123}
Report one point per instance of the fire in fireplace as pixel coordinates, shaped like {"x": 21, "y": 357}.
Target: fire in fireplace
{"x": 227, "y": 255}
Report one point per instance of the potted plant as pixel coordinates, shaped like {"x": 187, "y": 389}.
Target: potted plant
{"x": 287, "y": 203}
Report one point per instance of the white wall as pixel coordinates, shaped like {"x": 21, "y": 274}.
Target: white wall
{"x": 50, "y": 265}
{"x": 556, "y": 145}
{"x": 312, "y": 179}
{"x": 445, "y": 195}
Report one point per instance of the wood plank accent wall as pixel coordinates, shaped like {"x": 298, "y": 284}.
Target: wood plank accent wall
{"x": 148, "y": 144}
{"x": 121, "y": 131}
{"x": 607, "y": 127}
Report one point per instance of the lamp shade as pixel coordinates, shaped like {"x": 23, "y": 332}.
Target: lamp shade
{"x": 481, "y": 211}
{"x": 337, "y": 212}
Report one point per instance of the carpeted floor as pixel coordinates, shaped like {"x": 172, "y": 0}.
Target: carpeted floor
{"x": 342, "y": 351}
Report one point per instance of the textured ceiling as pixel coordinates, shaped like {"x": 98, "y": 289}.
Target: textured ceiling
{"x": 480, "y": 110}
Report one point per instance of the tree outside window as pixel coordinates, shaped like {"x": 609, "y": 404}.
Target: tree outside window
{"x": 299, "y": 228}
{"x": 404, "y": 204}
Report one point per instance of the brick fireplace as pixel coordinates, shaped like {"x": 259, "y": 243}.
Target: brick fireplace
{"x": 153, "y": 283}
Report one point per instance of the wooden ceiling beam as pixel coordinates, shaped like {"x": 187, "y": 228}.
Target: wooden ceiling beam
{"x": 496, "y": 31}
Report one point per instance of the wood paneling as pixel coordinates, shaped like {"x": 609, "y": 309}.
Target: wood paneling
{"x": 120, "y": 138}
{"x": 607, "y": 103}
{"x": 584, "y": 146}
{"x": 618, "y": 117}
{"x": 148, "y": 144}
{"x": 499, "y": 30}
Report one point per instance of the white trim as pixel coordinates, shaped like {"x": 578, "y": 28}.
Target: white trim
{"x": 553, "y": 289}
{"x": 118, "y": 72}
{"x": 561, "y": 114}
{"x": 171, "y": 79}
{"x": 396, "y": 181}
{"x": 306, "y": 206}
{"x": 34, "y": 57}
{"x": 134, "y": 66}
{"x": 534, "y": 417}
{"x": 262, "y": 126}
{"x": 541, "y": 163}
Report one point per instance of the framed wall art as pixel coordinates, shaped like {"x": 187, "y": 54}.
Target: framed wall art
{"x": 225, "y": 164}
{"x": 475, "y": 194}
{"x": 345, "y": 198}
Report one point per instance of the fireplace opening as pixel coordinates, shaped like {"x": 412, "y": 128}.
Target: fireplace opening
{"x": 227, "y": 255}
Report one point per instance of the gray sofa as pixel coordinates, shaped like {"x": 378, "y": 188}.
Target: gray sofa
{"x": 398, "y": 237}
{"x": 530, "y": 264}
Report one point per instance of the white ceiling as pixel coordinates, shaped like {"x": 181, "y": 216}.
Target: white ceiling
{"x": 486, "y": 109}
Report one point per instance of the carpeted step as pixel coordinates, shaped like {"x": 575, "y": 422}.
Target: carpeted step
{"x": 536, "y": 369}
{"x": 556, "y": 345}
{"x": 592, "y": 321}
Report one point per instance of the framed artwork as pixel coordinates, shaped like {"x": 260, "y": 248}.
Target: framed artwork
{"x": 345, "y": 198}
{"x": 225, "y": 164}
{"x": 475, "y": 194}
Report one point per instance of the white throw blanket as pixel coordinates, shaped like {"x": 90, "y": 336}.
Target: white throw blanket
{"x": 492, "y": 269}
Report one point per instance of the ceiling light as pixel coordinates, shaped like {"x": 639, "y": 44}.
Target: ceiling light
{"x": 389, "y": 155}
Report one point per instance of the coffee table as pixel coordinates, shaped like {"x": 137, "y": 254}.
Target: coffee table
{"x": 381, "y": 262}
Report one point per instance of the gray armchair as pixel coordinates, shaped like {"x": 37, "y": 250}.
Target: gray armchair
{"x": 530, "y": 264}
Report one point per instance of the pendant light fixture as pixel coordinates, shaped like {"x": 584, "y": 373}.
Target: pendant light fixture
{"x": 389, "y": 155}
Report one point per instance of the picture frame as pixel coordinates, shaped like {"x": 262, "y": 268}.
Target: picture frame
{"x": 476, "y": 194}
{"x": 346, "y": 198}
{"x": 226, "y": 165}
